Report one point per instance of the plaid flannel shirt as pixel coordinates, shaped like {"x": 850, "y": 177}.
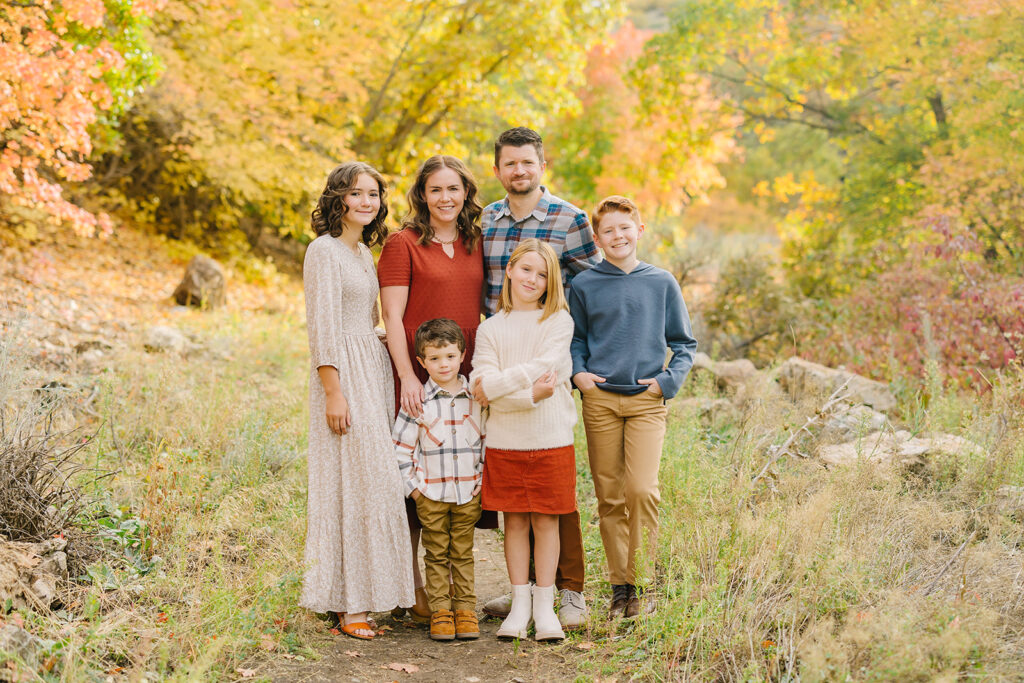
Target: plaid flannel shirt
{"x": 554, "y": 220}
{"x": 441, "y": 452}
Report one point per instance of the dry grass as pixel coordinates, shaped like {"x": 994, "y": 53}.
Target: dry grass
{"x": 865, "y": 573}
{"x": 851, "y": 574}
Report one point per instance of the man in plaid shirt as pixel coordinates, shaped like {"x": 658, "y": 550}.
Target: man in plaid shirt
{"x": 440, "y": 458}
{"x": 529, "y": 210}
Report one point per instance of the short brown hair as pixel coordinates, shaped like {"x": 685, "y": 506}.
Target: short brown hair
{"x": 438, "y": 332}
{"x": 612, "y": 204}
{"x": 519, "y": 137}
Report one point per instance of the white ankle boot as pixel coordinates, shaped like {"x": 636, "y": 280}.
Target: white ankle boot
{"x": 545, "y": 620}
{"x": 518, "y": 619}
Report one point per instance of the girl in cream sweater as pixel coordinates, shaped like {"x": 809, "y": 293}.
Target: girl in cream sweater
{"x": 521, "y": 370}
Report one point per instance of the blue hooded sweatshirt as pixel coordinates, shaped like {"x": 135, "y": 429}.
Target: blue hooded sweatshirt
{"x": 624, "y": 324}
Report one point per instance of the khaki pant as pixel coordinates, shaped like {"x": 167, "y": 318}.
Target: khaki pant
{"x": 624, "y": 439}
{"x": 447, "y": 538}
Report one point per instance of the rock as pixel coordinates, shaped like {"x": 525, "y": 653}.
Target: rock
{"x": 900, "y": 448}
{"x": 20, "y": 643}
{"x": 729, "y": 374}
{"x": 161, "y": 338}
{"x": 1009, "y": 500}
{"x": 92, "y": 346}
{"x": 804, "y": 379}
{"x": 202, "y": 285}
{"x": 31, "y": 572}
{"x": 713, "y": 409}
{"x": 850, "y": 422}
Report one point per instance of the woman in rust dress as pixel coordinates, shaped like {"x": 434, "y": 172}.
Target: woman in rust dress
{"x": 432, "y": 268}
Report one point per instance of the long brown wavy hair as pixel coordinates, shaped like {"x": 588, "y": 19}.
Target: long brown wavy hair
{"x": 331, "y": 207}
{"x": 468, "y": 221}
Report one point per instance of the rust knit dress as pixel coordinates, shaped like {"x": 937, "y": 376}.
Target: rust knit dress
{"x": 439, "y": 287}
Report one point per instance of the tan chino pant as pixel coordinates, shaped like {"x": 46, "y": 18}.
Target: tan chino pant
{"x": 447, "y": 538}
{"x": 624, "y": 439}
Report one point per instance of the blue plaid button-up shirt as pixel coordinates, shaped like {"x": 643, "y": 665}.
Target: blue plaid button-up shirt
{"x": 554, "y": 220}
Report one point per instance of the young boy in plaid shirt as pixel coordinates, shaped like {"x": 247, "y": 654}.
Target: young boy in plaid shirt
{"x": 440, "y": 457}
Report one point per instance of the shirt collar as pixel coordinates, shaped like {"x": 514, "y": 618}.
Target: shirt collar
{"x": 540, "y": 212}
{"x": 431, "y": 390}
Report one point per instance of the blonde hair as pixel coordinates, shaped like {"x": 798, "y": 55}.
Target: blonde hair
{"x": 554, "y": 298}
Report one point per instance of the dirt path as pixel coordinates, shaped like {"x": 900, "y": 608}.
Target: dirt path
{"x": 405, "y": 643}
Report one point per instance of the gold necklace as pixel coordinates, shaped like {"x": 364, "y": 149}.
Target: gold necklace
{"x": 443, "y": 242}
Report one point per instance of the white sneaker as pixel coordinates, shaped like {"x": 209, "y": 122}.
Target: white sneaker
{"x": 499, "y": 607}
{"x": 572, "y": 609}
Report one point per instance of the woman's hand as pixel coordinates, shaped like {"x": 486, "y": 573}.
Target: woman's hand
{"x": 544, "y": 386}
{"x": 412, "y": 395}
{"x": 478, "y": 393}
{"x": 339, "y": 419}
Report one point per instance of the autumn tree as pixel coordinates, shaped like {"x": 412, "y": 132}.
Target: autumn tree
{"x": 627, "y": 138}
{"x": 920, "y": 104}
{"x": 67, "y": 70}
{"x": 260, "y": 98}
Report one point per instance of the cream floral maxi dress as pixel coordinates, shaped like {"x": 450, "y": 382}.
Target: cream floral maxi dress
{"x": 357, "y": 538}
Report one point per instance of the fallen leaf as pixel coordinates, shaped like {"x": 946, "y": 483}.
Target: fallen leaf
{"x": 407, "y": 668}
{"x": 385, "y": 628}
{"x": 246, "y": 673}
{"x": 472, "y": 679}
{"x": 335, "y": 631}
{"x": 268, "y": 642}
{"x": 585, "y": 645}
{"x": 287, "y": 655}
{"x": 353, "y": 653}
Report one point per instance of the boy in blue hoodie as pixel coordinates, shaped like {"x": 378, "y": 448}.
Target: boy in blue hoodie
{"x": 627, "y": 313}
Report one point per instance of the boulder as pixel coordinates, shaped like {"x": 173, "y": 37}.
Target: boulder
{"x": 1009, "y": 500}
{"x": 161, "y": 338}
{"x": 730, "y": 375}
{"x": 202, "y": 285}
{"x": 31, "y": 572}
{"x": 849, "y": 422}
{"x": 17, "y": 642}
{"x": 713, "y": 409}
{"x": 803, "y": 379}
{"x": 900, "y": 448}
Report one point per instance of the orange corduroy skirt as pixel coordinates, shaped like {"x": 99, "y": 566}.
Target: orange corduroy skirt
{"x": 530, "y": 481}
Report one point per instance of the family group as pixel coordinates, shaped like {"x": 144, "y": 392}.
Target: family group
{"x": 429, "y": 435}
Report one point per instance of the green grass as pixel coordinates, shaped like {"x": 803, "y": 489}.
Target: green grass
{"x": 809, "y": 574}
{"x": 825, "y": 575}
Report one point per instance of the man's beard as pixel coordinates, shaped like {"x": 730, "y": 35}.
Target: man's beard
{"x": 522, "y": 193}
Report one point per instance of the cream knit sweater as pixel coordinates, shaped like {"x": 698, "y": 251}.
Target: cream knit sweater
{"x": 512, "y": 351}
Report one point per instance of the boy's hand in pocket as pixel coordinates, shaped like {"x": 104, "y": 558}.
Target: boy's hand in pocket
{"x": 585, "y": 381}
{"x": 652, "y": 386}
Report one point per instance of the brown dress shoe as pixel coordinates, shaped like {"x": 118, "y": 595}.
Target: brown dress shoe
{"x": 640, "y": 604}
{"x": 442, "y": 625}
{"x": 466, "y": 625}
{"x": 621, "y": 595}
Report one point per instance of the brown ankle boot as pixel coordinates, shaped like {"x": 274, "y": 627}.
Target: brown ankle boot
{"x": 442, "y": 625}
{"x": 420, "y": 612}
{"x": 466, "y": 625}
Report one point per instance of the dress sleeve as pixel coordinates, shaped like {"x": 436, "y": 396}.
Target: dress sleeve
{"x": 394, "y": 268}
{"x": 322, "y": 285}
